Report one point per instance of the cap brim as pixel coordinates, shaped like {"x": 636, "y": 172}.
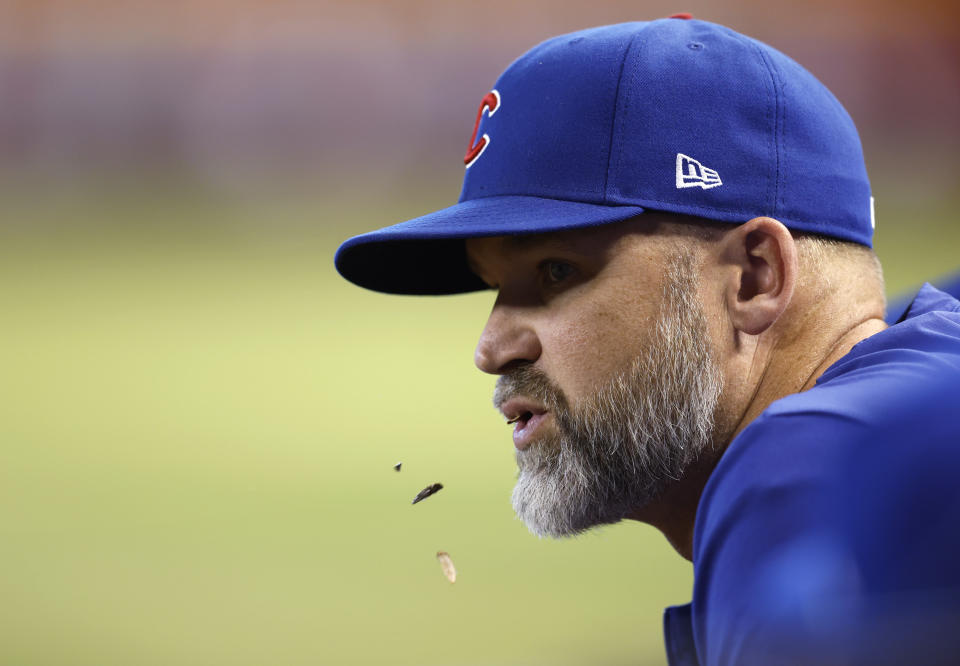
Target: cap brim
{"x": 426, "y": 255}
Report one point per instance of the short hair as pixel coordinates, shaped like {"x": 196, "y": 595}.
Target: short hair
{"x": 828, "y": 265}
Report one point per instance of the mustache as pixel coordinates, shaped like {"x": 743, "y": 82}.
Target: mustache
{"x": 529, "y": 382}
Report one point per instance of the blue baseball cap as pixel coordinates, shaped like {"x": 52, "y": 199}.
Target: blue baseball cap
{"x": 597, "y": 126}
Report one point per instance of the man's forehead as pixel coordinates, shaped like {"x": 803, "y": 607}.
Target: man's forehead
{"x": 493, "y": 248}
{"x": 585, "y": 240}
{"x": 555, "y": 239}
{"x": 489, "y": 257}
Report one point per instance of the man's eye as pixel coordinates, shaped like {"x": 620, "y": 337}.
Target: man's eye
{"x": 555, "y": 272}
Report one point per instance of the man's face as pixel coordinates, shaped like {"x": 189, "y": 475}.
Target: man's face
{"x": 605, "y": 365}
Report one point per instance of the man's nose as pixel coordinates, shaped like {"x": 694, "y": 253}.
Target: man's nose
{"x": 507, "y": 339}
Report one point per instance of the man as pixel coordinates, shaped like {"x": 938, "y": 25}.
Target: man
{"x": 689, "y": 332}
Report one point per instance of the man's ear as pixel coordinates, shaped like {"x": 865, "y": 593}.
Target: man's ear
{"x": 764, "y": 256}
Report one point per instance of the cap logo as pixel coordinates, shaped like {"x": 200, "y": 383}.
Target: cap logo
{"x": 490, "y": 104}
{"x": 690, "y": 173}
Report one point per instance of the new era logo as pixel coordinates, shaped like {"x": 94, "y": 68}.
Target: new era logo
{"x": 690, "y": 173}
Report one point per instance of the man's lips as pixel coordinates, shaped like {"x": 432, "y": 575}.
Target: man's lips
{"x": 527, "y": 415}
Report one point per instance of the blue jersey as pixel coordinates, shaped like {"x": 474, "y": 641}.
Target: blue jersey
{"x": 829, "y": 532}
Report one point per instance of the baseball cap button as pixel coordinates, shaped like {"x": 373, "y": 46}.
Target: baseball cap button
{"x": 682, "y": 15}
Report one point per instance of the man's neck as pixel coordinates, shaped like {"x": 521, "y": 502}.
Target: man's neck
{"x": 798, "y": 364}
{"x": 674, "y": 513}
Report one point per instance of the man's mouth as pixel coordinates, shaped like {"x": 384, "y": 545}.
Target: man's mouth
{"x": 525, "y": 416}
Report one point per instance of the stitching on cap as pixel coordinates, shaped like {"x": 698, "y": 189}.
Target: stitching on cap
{"x": 775, "y": 186}
{"x": 777, "y": 125}
{"x": 626, "y": 104}
{"x": 616, "y": 106}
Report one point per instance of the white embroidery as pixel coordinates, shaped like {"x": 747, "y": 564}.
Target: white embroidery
{"x": 486, "y": 142}
{"x": 873, "y": 217}
{"x": 486, "y": 137}
{"x": 690, "y": 173}
{"x": 496, "y": 93}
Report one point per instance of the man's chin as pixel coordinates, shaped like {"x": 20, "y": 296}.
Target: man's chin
{"x": 549, "y": 509}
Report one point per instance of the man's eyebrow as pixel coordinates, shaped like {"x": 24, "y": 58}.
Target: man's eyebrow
{"x": 550, "y": 240}
{"x": 526, "y": 243}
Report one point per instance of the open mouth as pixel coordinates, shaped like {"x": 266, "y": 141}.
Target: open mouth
{"x": 524, "y": 414}
{"x": 525, "y": 428}
{"x": 521, "y": 418}
{"x": 525, "y": 418}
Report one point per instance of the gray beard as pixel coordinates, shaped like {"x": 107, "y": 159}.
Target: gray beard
{"x": 619, "y": 449}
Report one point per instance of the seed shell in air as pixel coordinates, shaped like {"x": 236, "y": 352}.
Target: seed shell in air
{"x": 426, "y": 492}
{"x": 447, "y": 565}
{"x": 396, "y": 468}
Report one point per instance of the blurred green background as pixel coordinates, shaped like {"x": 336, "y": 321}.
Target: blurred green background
{"x": 200, "y": 418}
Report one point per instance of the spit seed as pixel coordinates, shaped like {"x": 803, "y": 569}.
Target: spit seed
{"x": 396, "y": 468}
{"x": 426, "y": 492}
{"x": 447, "y": 565}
